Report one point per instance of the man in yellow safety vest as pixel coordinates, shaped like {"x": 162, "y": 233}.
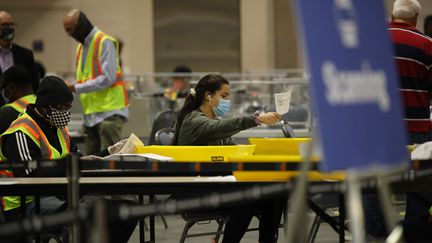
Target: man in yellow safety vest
{"x": 40, "y": 132}
{"x": 16, "y": 90}
{"x": 98, "y": 82}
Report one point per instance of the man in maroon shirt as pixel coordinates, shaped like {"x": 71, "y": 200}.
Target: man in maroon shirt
{"x": 413, "y": 58}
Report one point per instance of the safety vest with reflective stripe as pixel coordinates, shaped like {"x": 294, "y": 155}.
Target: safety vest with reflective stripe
{"x": 21, "y": 103}
{"x": 107, "y": 99}
{"x": 29, "y": 127}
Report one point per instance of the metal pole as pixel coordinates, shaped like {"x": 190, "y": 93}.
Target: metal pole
{"x": 386, "y": 205}
{"x": 355, "y": 208}
{"x": 341, "y": 199}
{"x": 99, "y": 229}
{"x": 141, "y": 221}
{"x": 73, "y": 175}
{"x": 152, "y": 220}
{"x": 296, "y": 232}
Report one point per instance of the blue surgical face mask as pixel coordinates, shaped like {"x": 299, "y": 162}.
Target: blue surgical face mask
{"x": 223, "y": 107}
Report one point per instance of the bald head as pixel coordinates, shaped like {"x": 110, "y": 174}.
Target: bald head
{"x": 5, "y": 17}
{"x": 70, "y": 21}
{"x": 77, "y": 25}
{"x": 6, "y": 29}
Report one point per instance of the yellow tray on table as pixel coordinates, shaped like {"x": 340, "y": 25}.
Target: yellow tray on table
{"x": 278, "y": 146}
{"x": 199, "y": 153}
{"x": 272, "y": 150}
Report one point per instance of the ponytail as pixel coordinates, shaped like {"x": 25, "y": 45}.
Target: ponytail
{"x": 189, "y": 106}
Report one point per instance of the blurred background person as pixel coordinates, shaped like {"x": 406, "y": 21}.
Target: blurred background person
{"x": 428, "y": 25}
{"x": 410, "y": 49}
{"x": 102, "y": 90}
{"x": 16, "y": 89}
{"x": 179, "y": 87}
{"x": 13, "y": 54}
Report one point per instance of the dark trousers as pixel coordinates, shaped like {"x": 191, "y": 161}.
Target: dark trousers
{"x": 104, "y": 134}
{"x": 374, "y": 217}
{"x": 417, "y": 229}
{"x": 119, "y": 231}
{"x": 269, "y": 213}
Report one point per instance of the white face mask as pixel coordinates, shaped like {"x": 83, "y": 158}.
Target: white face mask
{"x": 58, "y": 118}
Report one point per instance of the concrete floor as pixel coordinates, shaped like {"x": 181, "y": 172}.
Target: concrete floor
{"x": 176, "y": 224}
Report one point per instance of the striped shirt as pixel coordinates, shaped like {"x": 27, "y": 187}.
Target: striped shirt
{"x": 413, "y": 56}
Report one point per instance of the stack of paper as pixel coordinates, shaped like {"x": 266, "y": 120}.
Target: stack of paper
{"x": 137, "y": 157}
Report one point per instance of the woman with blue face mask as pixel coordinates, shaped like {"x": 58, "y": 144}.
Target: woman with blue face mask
{"x": 199, "y": 123}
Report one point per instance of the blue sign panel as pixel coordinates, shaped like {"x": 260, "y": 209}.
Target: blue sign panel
{"x": 354, "y": 83}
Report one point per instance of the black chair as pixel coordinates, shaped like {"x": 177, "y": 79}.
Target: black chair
{"x": 287, "y": 129}
{"x": 165, "y": 119}
{"x": 164, "y": 137}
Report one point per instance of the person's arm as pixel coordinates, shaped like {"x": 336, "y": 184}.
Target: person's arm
{"x": 18, "y": 148}
{"x": 209, "y": 129}
{"x": 108, "y": 61}
{"x": 7, "y": 116}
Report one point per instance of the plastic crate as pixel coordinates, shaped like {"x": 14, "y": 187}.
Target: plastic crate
{"x": 278, "y": 146}
{"x": 199, "y": 153}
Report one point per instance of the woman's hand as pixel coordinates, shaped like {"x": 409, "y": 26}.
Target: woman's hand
{"x": 269, "y": 118}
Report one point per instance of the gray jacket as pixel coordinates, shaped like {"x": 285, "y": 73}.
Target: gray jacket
{"x": 198, "y": 129}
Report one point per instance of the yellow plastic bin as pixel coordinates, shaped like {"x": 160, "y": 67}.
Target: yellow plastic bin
{"x": 271, "y": 150}
{"x": 286, "y": 175}
{"x": 266, "y": 175}
{"x": 199, "y": 153}
{"x": 278, "y": 146}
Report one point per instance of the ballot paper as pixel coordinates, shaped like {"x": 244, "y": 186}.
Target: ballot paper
{"x": 216, "y": 178}
{"x": 131, "y": 145}
{"x": 423, "y": 151}
{"x": 282, "y": 101}
{"x": 137, "y": 157}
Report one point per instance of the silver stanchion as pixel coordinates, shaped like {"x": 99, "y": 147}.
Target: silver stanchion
{"x": 295, "y": 230}
{"x": 355, "y": 208}
{"x": 99, "y": 229}
{"x": 73, "y": 175}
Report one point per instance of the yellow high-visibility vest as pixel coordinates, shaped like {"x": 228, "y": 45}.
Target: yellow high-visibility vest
{"x": 107, "y": 99}
{"x": 28, "y": 126}
{"x": 21, "y": 103}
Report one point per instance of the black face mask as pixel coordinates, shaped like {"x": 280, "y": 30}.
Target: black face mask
{"x": 83, "y": 28}
{"x": 7, "y": 33}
